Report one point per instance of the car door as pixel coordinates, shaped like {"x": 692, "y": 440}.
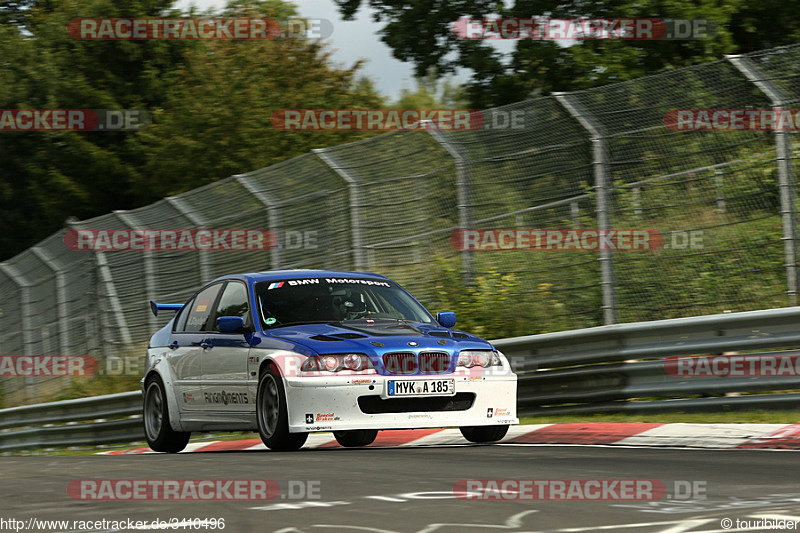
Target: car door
{"x": 225, "y": 359}
{"x": 188, "y": 344}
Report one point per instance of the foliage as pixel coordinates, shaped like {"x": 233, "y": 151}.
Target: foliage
{"x": 432, "y": 93}
{"x": 211, "y": 102}
{"x": 421, "y": 32}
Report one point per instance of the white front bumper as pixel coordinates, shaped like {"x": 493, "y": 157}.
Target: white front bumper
{"x": 331, "y": 403}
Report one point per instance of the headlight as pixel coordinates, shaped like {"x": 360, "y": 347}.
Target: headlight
{"x": 336, "y": 362}
{"x": 330, "y": 363}
{"x": 482, "y": 358}
{"x": 352, "y": 361}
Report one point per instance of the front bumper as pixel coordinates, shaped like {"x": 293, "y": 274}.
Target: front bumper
{"x": 340, "y": 403}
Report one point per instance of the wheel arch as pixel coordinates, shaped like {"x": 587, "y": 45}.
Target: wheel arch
{"x": 172, "y": 402}
{"x": 281, "y": 363}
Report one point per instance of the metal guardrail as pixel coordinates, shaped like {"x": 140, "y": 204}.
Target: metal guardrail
{"x": 104, "y": 419}
{"x": 750, "y": 330}
{"x": 581, "y": 371}
{"x": 573, "y": 372}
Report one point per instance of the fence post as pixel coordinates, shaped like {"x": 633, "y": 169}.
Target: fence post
{"x": 783, "y": 148}
{"x": 149, "y": 272}
{"x": 27, "y": 326}
{"x": 719, "y": 183}
{"x": 462, "y": 194}
{"x": 602, "y": 187}
{"x": 61, "y": 296}
{"x": 111, "y": 293}
{"x": 272, "y": 215}
{"x": 199, "y": 222}
{"x": 354, "y": 187}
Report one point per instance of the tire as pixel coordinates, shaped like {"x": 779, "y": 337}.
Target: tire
{"x": 481, "y": 434}
{"x": 356, "y": 437}
{"x": 272, "y": 416}
{"x": 155, "y": 418}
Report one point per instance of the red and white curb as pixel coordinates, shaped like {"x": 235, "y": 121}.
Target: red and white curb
{"x": 717, "y": 436}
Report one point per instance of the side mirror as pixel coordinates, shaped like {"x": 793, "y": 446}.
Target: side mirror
{"x": 446, "y": 318}
{"x": 230, "y": 324}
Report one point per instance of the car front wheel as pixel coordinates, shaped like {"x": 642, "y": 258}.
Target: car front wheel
{"x": 155, "y": 415}
{"x": 272, "y": 416}
{"x": 482, "y": 434}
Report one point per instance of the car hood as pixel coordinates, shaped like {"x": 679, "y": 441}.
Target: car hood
{"x": 379, "y": 337}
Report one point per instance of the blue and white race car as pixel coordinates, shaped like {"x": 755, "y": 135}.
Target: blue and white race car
{"x": 292, "y": 352}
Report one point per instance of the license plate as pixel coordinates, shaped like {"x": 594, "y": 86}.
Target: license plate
{"x": 422, "y": 387}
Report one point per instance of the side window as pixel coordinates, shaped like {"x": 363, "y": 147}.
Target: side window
{"x": 180, "y": 322}
{"x": 200, "y": 310}
{"x": 234, "y": 302}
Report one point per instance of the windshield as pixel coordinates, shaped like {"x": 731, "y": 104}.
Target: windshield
{"x": 302, "y": 301}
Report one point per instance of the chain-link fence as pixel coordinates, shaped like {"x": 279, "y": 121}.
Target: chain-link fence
{"x": 723, "y": 202}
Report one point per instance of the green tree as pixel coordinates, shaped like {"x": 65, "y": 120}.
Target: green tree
{"x": 421, "y": 32}
{"x": 215, "y": 121}
{"x": 211, "y": 101}
{"x": 432, "y": 93}
{"x": 49, "y": 176}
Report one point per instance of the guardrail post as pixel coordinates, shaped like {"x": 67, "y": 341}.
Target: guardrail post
{"x": 151, "y": 286}
{"x": 27, "y": 324}
{"x": 272, "y": 214}
{"x": 61, "y": 296}
{"x": 354, "y": 186}
{"x": 462, "y": 194}
{"x": 200, "y": 223}
{"x": 783, "y": 148}
{"x": 602, "y": 186}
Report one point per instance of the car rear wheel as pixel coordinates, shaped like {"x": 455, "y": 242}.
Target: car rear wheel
{"x": 481, "y": 434}
{"x": 272, "y": 416}
{"x": 356, "y": 437}
{"x": 155, "y": 415}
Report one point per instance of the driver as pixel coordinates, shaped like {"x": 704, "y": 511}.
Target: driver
{"x": 348, "y": 305}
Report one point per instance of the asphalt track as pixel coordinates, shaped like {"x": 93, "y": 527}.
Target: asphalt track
{"x": 404, "y": 490}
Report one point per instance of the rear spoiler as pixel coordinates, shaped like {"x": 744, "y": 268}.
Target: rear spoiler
{"x": 155, "y": 308}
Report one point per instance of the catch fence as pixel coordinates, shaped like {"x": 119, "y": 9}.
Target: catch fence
{"x": 724, "y": 203}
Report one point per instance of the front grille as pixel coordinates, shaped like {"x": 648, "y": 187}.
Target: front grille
{"x": 434, "y": 362}
{"x": 400, "y": 363}
{"x": 373, "y": 405}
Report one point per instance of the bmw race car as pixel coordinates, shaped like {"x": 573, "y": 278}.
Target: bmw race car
{"x": 292, "y": 352}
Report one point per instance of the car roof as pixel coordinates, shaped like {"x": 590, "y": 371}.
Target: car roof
{"x": 274, "y": 275}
